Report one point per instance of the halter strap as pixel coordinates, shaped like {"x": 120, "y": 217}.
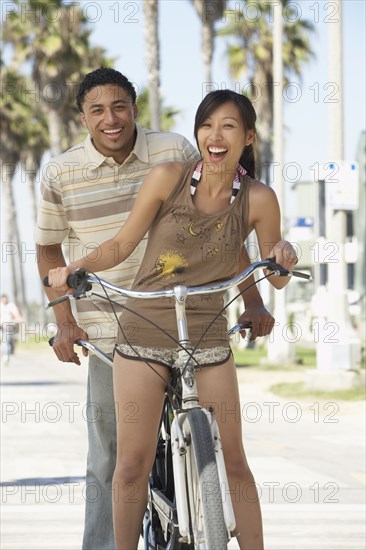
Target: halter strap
{"x": 236, "y": 182}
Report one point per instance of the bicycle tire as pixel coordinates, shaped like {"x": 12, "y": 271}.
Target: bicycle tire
{"x": 205, "y": 500}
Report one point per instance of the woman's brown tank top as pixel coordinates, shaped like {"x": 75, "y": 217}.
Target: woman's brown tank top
{"x": 187, "y": 247}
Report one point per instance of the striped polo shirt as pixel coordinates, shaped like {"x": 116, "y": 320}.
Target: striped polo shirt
{"x": 86, "y": 197}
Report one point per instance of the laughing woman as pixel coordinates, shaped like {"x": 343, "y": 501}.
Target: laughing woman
{"x": 198, "y": 216}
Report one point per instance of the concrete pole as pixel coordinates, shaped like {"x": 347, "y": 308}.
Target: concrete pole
{"x": 336, "y": 219}
{"x": 278, "y": 345}
{"x": 337, "y": 346}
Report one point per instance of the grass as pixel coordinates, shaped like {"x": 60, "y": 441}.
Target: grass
{"x": 299, "y": 390}
{"x": 249, "y": 357}
{"x": 304, "y": 357}
{"x": 33, "y": 342}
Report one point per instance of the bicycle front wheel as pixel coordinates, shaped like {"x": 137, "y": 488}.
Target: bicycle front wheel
{"x": 205, "y": 501}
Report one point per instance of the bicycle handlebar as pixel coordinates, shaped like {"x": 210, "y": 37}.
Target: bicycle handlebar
{"x": 82, "y": 282}
{"x": 74, "y": 280}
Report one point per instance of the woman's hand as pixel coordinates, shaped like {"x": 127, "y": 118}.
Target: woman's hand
{"x": 285, "y": 255}
{"x": 57, "y": 279}
{"x": 261, "y": 320}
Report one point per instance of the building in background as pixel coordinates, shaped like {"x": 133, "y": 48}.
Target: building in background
{"x": 307, "y": 231}
{"x": 360, "y": 236}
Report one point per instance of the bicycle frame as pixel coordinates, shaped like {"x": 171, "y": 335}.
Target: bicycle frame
{"x": 174, "y": 516}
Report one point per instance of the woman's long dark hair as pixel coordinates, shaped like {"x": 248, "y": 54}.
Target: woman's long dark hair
{"x": 215, "y": 99}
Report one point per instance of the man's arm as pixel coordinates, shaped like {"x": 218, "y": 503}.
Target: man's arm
{"x": 255, "y": 312}
{"x": 49, "y": 257}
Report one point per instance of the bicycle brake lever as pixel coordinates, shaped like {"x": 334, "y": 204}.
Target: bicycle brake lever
{"x": 238, "y": 327}
{"x": 59, "y": 300}
{"x": 82, "y": 293}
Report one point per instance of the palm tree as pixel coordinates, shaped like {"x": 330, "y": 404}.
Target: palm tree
{"x": 250, "y": 55}
{"x": 144, "y": 117}
{"x": 41, "y": 113}
{"x": 151, "y": 16}
{"x": 15, "y": 114}
{"x": 209, "y": 11}
{"x": 37, "y": 143}
{"x": 58, "y": 49}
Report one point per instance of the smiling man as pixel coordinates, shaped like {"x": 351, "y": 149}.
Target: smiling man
{"x": 109, "y": 112}
{"x": 87, "y": 193}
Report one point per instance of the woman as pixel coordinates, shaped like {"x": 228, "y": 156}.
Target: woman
{"x": 198, "y": 216}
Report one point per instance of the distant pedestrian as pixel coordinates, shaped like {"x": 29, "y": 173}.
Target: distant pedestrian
{"x": 10, "y": 318}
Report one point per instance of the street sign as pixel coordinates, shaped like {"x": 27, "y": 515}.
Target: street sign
{"x": 341, "y": 184}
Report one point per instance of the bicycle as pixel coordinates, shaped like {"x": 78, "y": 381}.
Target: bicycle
{"x": 188, "y": 507}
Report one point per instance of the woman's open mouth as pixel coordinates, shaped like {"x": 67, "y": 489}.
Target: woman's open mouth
{"x": 216, "y": 153}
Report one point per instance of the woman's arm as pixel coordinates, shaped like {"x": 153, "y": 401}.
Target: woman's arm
{"x": 255, "y": 312}
{"x": 156, "y": 188}
{"x": 265, "y": 218}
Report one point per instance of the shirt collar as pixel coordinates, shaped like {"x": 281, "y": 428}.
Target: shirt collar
{"x": 94, "y": 156}
{"x": 140, "y": 150}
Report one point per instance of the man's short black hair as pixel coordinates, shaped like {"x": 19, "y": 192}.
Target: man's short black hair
{"x": 100, "y": 77}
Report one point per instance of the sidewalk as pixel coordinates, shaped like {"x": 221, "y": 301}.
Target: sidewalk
{"x": 308, "y": 458}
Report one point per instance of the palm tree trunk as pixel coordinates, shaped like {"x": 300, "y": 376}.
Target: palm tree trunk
{"x": 207, "y": 40}
{"x": 14, "y": 241}
{"x": 32, "y": 165}
{"x": 151, "y": 16}
{"x": 209, "y": 11}
{"x": 54, "y": 126}
{"x": 262, "y": 87}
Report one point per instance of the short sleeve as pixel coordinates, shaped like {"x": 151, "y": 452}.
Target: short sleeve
{"x": 52, "y": 226}
{"x": 189, "y": 151}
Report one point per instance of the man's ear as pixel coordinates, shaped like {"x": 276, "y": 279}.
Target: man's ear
{"x": 83, "y": 120}
{"x": 250, "y": 137}
{"x": 135, "y": 110}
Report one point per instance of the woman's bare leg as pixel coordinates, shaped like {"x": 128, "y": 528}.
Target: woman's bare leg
{"x": 138, "y": 393}
{"x": 218, "y": 386}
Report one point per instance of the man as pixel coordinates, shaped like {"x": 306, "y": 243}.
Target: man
{"x": 87, "y": 193}
{"x": 9, "y": 323}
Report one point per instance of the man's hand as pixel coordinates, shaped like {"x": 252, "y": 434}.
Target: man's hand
{"x": 57, "y": 279}
{"x": 260, "y": 318}
{"x": 50, "y": 258}
{"x": 64, "y": 343}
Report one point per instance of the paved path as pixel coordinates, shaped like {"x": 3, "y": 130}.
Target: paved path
{"x": 308, "y": 458}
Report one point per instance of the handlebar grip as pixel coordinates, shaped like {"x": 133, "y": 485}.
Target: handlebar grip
{"x": 283, "y": 271}
{"x": 276, "y": 267}
{"x": 73, "y": 280}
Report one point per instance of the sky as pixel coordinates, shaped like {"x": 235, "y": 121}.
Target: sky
{"x": 118, "y": 27}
